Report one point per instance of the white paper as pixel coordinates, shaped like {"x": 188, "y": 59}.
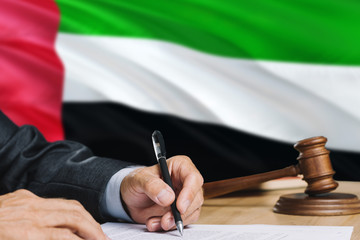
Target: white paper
{"x": 126, "y": 231}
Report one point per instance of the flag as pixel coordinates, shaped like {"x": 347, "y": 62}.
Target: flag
{"x": 229, "y": 83}
{"x": 31, "y": 73}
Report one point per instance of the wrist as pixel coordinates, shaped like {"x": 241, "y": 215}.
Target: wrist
{"x": 112, "y": 205}
{"x": 123, "y": 193}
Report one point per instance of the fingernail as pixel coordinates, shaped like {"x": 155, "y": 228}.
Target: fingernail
{"x": 186, "y": 205}
{"x": 155, "y": 225}
{"x": 107, "y": 238}
{"x": 163, "y": 196}
{"x": 170, "y": 222}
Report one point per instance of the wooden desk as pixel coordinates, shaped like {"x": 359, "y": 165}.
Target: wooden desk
{"x": 255, "y": 207}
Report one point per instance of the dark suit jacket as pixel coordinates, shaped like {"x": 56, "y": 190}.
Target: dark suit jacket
{"x": 63, "y": 169}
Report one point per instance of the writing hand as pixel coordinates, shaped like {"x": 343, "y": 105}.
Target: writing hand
{"x": 23, "y": 215}
{"x": 148, "y": 198}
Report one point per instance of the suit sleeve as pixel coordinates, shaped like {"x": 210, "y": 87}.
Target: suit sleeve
{"x": 63, "y": 169}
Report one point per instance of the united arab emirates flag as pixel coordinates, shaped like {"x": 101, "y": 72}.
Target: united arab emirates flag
{"x": 232, "y": 84}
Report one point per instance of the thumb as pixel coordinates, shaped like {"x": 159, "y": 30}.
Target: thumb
{"x": 157, "y": 190}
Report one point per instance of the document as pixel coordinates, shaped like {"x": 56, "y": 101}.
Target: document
{"x": 126, "y": 231}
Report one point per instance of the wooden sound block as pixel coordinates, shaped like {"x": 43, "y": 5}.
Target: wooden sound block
{"x": 330, "y": 204}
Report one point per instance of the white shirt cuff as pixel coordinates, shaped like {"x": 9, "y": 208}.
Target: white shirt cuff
{"x": 112, "y": 205}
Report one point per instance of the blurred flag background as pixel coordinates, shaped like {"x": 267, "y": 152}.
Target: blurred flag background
{"x": 232, "y": 84}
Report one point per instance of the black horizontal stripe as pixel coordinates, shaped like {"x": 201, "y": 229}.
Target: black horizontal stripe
{"x": 117, "y": 131}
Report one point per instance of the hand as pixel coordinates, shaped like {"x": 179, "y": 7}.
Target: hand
{"x": 24, "y": 215}
{"x": 148, "y": 198}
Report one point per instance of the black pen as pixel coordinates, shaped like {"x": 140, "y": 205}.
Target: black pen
{"x": 160, "y": 152}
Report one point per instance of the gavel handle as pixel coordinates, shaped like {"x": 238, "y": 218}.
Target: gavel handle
{"x": 217, "y": 188}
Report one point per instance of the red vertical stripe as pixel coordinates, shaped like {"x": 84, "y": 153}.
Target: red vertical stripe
{"x": 31, "y": 74}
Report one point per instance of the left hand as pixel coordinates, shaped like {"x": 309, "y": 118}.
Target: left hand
{"x": 148, "y": 198}
{"x": 23, "y": 215}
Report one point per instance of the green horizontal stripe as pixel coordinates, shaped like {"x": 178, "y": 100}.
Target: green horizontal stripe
{"x": 312, "y": 31}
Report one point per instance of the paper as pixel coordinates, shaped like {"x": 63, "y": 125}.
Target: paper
{"x": 126, "y": 231}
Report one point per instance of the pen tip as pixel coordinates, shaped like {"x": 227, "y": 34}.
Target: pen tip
{"x": 180, "y": 227}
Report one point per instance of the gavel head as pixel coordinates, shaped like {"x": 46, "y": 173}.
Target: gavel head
{"x": 315, "y": 165}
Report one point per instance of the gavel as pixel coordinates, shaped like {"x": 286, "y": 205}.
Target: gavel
{"x": 314, "y": 164}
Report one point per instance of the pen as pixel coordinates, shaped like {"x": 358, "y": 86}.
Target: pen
{"x": 160, "y": 152}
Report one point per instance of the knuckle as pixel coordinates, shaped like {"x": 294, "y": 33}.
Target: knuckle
{"x": 74, "y": 203}
{"x": 16, "y": 198}
{"x": 179, "y": 160}
{"x": 186, "y": 158}
{"x": 201, "y": 201}
{"x": 24, "y": 192}
{"x": 98, "y": 227}
{"x": 183, "y": 159}
{"x": 76, "y": 216}
{"x": 200, "y": 179}
{"x": 21, "y": 191}
{"x": 71, "y": 218}
{"x": 202, "y": 192}
{"x": 201, "y": 198}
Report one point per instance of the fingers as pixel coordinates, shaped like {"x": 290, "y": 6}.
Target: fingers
{"x": 16, "y": 198}
{"x": 145, "y": 195}
{"x": 142, "y": 215}
{"x": 189, "y": 180}
{"x": 57, "y": 234}
{"x": 54, "y": 213}
{"x": 167, "y": 222}
{"x": 158, "y": 191}
{"x": 148, "y": 198}
{"x": 21, "y": 230}
{"x": 147, "y": 181}
{"x": 154, "y": 224}
{"x": 39, "y": 215}
{"x": 71, "y": 215}
{"x": 190, "y": 199}
{"x": 70, "y": 206}
{"x": 194, "y": 205}
{"x": 74, "y": 221}
{"x": 193, "y": 217}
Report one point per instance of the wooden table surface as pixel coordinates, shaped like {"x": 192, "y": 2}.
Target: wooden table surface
{"x": 255, "y": 207}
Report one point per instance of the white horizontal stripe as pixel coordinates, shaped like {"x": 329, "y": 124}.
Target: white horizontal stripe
{"x": 283, "y": 101}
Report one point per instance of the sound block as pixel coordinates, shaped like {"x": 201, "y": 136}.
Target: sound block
{"x": 330, "y": 204}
